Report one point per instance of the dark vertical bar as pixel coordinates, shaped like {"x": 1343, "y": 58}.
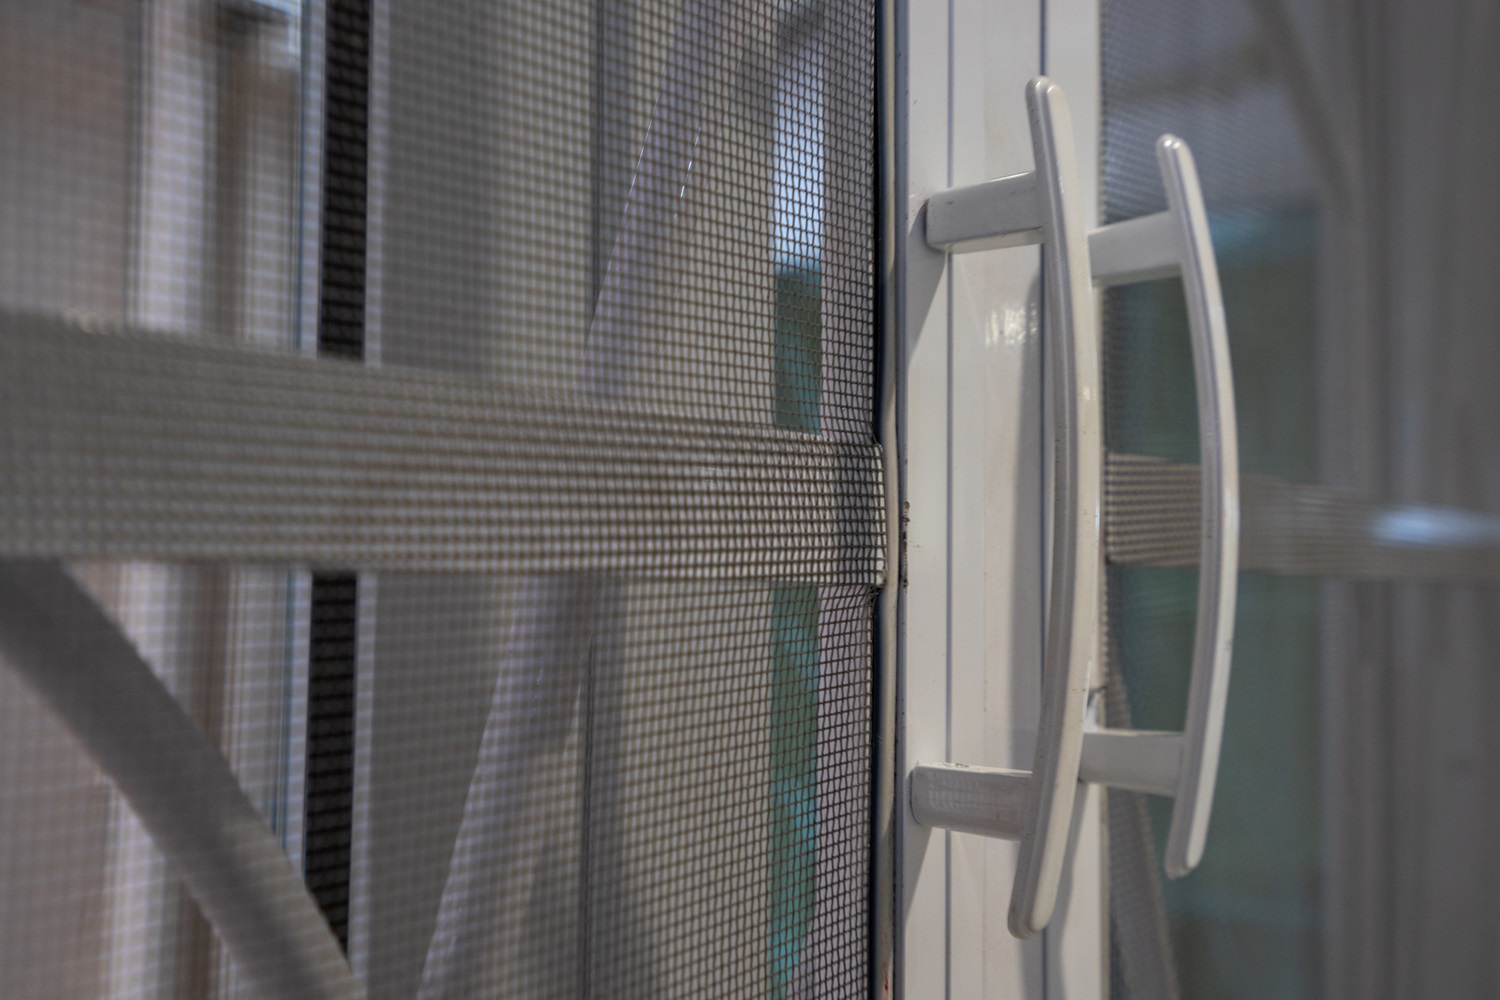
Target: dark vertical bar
{"x": 346, "y": 146}
{"x": 341, "y": 333}
{"x": 613, "y": 153}
{"x": 612, "y": 162}
{"x": 330, "y": 746}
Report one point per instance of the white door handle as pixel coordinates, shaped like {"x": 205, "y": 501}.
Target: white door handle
{"x": 1186, "y": 765}
{"x": 1036, "y": 807}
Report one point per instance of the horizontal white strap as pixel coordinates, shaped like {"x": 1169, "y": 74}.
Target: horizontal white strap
{"x": 133, "y": 446}
{"x": 1296, "y": 529}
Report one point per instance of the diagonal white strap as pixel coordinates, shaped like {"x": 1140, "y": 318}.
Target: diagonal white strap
{"x": 61, "y": 644}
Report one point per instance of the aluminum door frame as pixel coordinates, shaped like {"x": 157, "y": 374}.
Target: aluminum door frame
{"x": 966, "y": 438}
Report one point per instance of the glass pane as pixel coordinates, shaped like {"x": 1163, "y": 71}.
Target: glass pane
{"x": 1359, "y": 437}
{"x": 1248, "y": 922}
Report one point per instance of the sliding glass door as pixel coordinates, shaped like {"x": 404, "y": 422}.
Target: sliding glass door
{"x": 1338, "y": 149}
{"x": 1346, "y": 857}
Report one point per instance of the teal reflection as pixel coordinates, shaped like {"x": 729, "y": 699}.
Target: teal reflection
{"x": 794, "y": 779}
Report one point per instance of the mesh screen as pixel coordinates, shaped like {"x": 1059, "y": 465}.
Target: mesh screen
{"x": 465, "y": 411}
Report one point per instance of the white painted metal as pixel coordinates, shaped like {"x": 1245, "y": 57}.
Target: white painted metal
{"x": 970, "y": 434}
{"x": 989, "y": 801}
{"x": 973, "y": 469}
{"x": 1001, "y": 213}
{"x": 995, "y": 521}
{"x": 1072, "y": 643}
{"x": 1053, "y": 196}
{"x": 1136, "y": 250}
{"x": 1133, "y": 759}
{"x": 1076, "y": 943}
{"x": 1218, "y": 566}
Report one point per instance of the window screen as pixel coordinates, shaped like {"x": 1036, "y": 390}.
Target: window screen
{"x": 461, "y": 415}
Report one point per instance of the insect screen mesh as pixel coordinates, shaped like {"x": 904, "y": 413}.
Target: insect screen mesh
{"x": 464, "y": 412}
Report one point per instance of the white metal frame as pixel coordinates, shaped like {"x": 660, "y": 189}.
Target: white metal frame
{"x": 972, "y": 432}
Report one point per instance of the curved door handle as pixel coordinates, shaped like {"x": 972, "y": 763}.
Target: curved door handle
{"x": 1186, "y": 765}
{"x": 1036, "y": 807}
{"x": 1045, "y": 206}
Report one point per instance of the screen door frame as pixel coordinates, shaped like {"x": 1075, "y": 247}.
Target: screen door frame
{"x": 966, "y": 435}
